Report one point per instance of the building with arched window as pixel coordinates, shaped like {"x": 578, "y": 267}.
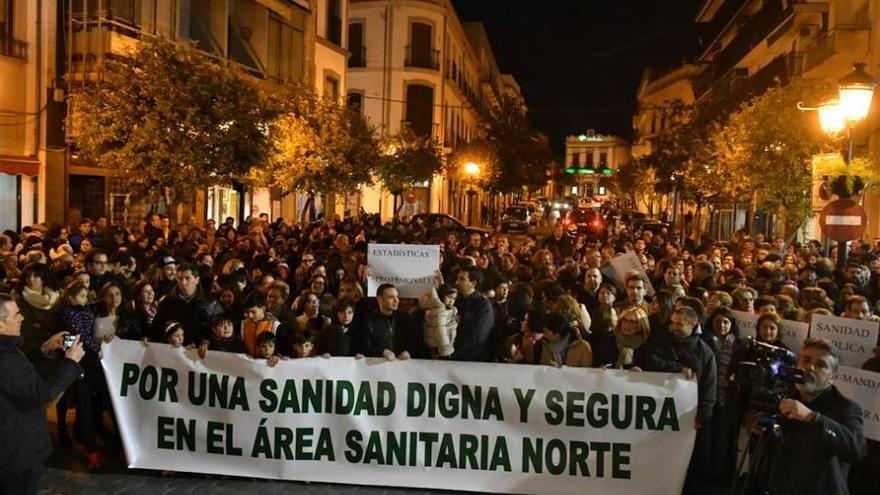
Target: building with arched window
{"x": 415, "y": 64}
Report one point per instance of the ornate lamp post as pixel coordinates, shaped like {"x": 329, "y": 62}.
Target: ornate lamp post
{"x": 855, "y": 93}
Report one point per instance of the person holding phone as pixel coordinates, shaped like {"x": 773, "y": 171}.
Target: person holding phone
{"x": 24, "y": 430}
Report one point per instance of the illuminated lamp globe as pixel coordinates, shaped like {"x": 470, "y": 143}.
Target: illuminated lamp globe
{"x": 831, "y": 117}
{"x": 856, "y": 91}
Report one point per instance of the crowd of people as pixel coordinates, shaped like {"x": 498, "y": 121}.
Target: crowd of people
{"x": 277, "y": 291}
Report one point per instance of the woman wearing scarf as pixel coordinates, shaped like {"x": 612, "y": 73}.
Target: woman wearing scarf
{"x": 631, "y": 333}
{"x": 37, "y": 302}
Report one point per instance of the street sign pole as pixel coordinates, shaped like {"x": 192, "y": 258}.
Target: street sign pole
{"x": 843, "y": 221}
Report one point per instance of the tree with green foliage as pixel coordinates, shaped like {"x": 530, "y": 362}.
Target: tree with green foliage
{"x": 407, "y": 158}
{"x": 637, "y": 181}
{"x": 769, "y": 144}
{"x": 522, "y": 154}
{"x": 319, "y": 147}
{"x": 167, "y": 117}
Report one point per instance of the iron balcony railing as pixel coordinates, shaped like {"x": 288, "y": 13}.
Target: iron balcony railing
{"x": 11, "y": 47}
{"x": 422, "y": 58}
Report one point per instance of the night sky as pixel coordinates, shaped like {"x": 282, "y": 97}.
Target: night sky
{"x": 579, "y": 62}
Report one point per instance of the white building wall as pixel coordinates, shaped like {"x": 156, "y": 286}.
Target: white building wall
{"x": 383, "y": 82}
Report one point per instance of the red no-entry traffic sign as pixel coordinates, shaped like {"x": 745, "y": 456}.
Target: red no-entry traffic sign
{"x": 843, "y": 220}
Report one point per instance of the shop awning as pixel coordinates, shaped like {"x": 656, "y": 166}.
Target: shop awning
{"x": 19, "y": 165}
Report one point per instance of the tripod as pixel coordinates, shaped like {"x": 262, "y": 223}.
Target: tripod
{"x": 762, "y": 452}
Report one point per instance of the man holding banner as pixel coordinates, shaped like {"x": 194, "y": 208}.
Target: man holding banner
{"x": 388, "y": 332}
{"x": 822, "y": 429}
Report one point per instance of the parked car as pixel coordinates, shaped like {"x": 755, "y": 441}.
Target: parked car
{"x": 584, "y": 221}
{"x": 516, "y": 217}
{"x": 442, "y": 221}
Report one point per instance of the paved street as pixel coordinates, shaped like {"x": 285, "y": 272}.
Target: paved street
{"x": 67, "y": 482}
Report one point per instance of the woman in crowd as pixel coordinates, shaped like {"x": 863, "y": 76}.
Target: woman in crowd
{"x": 308, "y": 312}
{"x": 631, "y": 333}
{"x": 37, "y": 298}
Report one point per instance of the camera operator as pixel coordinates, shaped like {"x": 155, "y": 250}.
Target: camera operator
{"x": 24, "y": 432}
{"x": 821, "y": 429}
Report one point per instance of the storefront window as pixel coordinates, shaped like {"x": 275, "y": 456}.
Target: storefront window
{"x": 8, "y": 202}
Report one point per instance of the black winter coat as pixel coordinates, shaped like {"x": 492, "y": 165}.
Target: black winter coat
{"x": 24, "y": 431}
{"x": 396, "y": 332}
{"x": 669, "y": 354}
{"x": 476, "y": 320}
{"x": 815, "y": 457}
{"x": 194, "y": 314}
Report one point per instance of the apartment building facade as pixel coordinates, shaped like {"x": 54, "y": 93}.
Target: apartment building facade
{"x": 50, "y": 50}
{"x": 24, "y": 90}
{"x": 415, "y": 64}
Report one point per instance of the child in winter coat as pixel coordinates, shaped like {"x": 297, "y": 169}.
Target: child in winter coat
{"x": 77, "y": 318}
{"x": 441, "y": 320}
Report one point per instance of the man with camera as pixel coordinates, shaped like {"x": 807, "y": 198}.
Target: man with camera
{"x": 821, "y": 429}
{"x": 24, "y": 432}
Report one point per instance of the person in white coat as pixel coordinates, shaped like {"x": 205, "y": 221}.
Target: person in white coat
{"x": 441, "y": 320}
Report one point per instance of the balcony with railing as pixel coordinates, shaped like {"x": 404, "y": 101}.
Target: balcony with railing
{"x": 778, "y": 72}
{"x": 11, "y": 47}
{"x": 358, "y": 57}
{"x": 844, "y": 38}
{"x": 423, "y": 58}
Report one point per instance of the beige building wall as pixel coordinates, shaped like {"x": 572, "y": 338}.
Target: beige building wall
{"x": 459, "y": 104}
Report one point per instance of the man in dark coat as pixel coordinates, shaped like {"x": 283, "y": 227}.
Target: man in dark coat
{"x": 473, "y": 341}
{"x": 24, "y": 432}
{"x": 388, "y": 331}
{"x": 680, "y": 351}
{"x": 822, "y": 429}
{"x": 188, "y": 304}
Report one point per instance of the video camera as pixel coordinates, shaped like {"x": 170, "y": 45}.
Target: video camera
{"x": 767, "y": 375}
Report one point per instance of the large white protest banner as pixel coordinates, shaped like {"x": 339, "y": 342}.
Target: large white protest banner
{"x": 624, "y": 263}
{"x": 456, "y": 426}
{"x": 854, "y": 338}
{"x": 412, "y": 268}
{"x": 863, "y": 388}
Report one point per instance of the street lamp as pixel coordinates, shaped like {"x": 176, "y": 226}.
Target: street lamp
{"x": 831, "y": 118}
{"x": 855, "y": 91}
{"x": 472, "y": 170}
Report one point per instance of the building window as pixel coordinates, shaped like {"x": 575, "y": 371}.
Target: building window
{"x": 589, "y": 159}
{"x": 331, "y": 87}
{"x": 356, "y": 45}
{"x": 420, "y": 109}
{"x": 240, "y": 48}
{"x": 7, "y": 13}
{"x": 334, "y": 21}
{"x": 419, "y": 52}
{"x": 576, "y": 159}
{"x": 285, "y": 50}
{"x": 603, "y": 159}
{"x": 355, "y": 102}
{"x": 200, "y": 30}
